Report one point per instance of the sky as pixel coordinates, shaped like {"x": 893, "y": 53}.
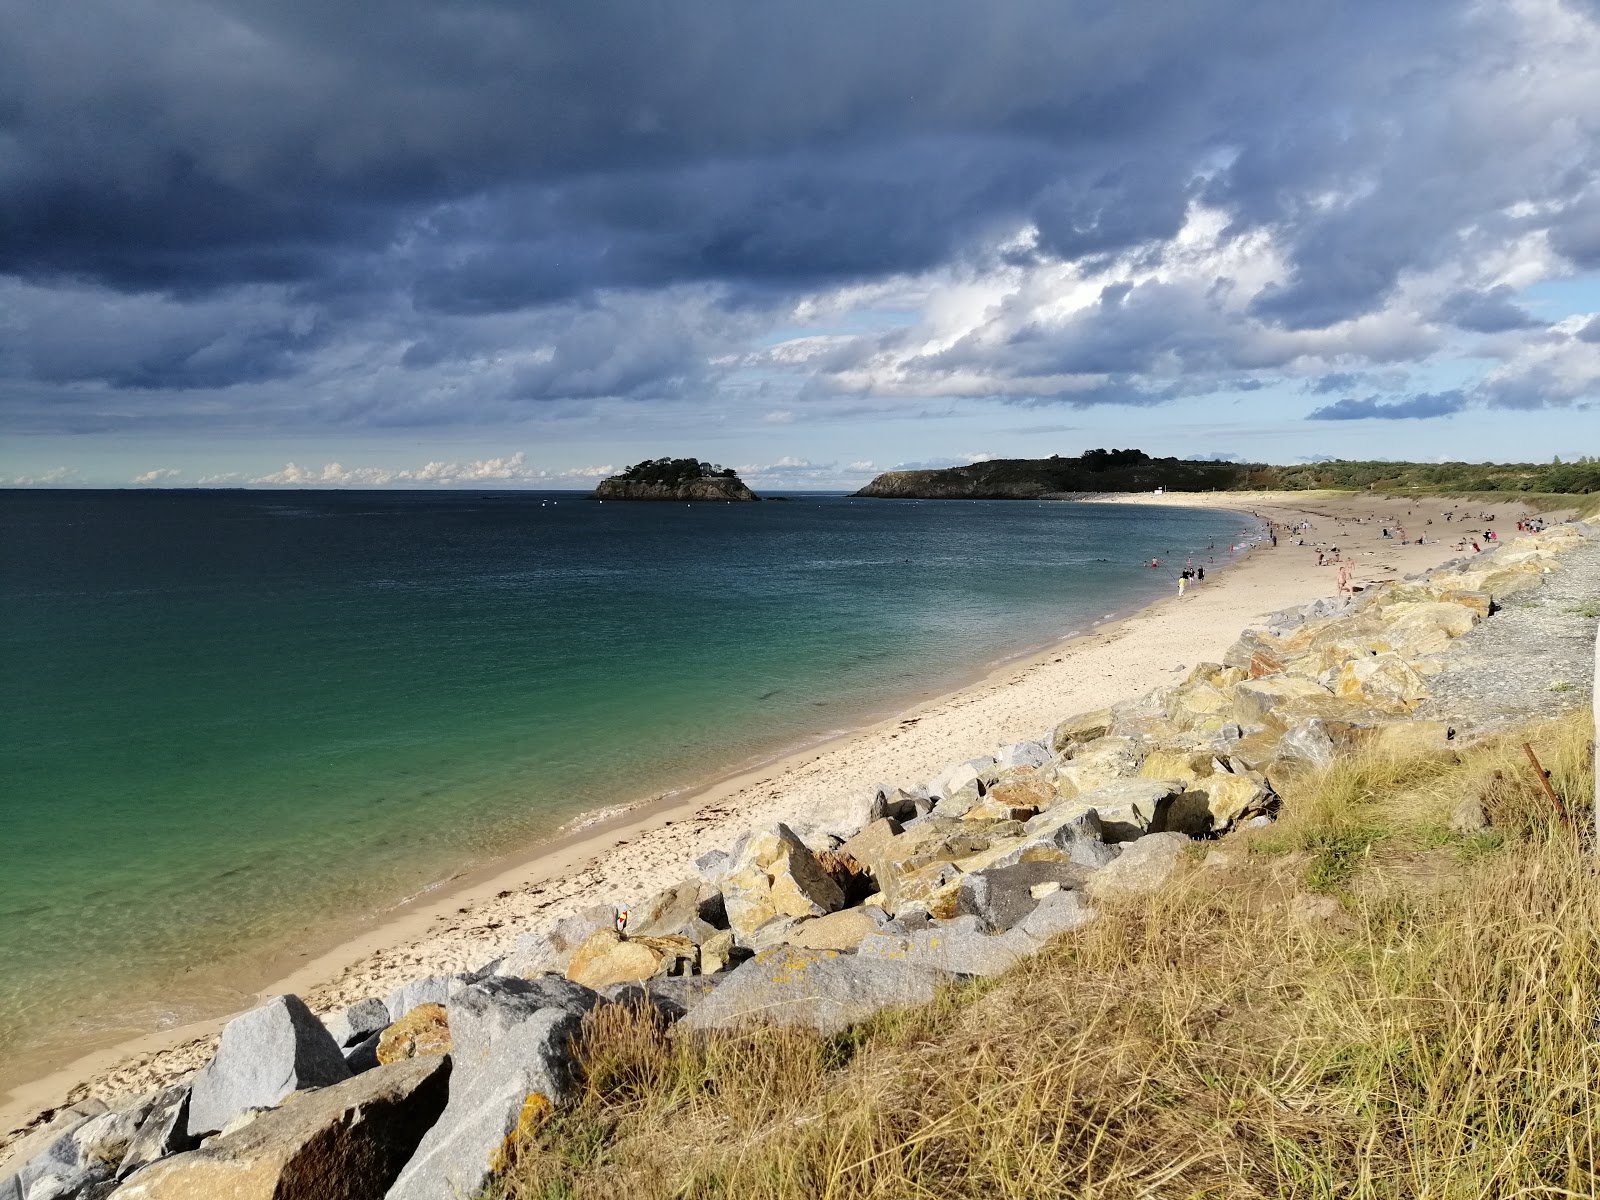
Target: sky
{"x": 513, "y": 243}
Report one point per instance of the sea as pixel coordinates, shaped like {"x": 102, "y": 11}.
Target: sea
{"x": 234, "y": 723}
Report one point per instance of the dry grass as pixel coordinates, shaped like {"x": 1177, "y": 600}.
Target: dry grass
{"x": 1317, "y": 1016}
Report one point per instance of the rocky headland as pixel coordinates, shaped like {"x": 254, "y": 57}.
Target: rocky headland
{"x": 1092, "y": 473}
{"x": 871, "y": 903}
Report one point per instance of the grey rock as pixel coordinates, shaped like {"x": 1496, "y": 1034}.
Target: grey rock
{"x": 1059, "y": 912}
{"x": 1000, "y": 897}
{"x": 433, "y": 989}
{"x": 673, "y": 997}
{"x": 50, "y": 1164}
{"x": 668, "y": 911}
{"x": 959, "y": 799}
{"x": 1024, "y": 754}
{"x": 71, "y": 1183}
{"x": 535, "y": 954}
{"x": 1065, "y": 824}
{"x": 360, "y": 1021}
{"x": 1141, "y": 867}
{"x": 104, "y": 1140}
{"x": 345, "y": 1142}
{"x": 713, "y": 864}
{"x": 816, "y": 989}
{"x": 163, "y": 1132}
{"x": 510, "y": 1048}
{"x": 1308, "y": 743}
{"x": 363, "y": 1056}
{"x": 507, "y": 996}
{"x": 958, "y": 776}
{"x": 264, "y": 1055}
{"x": 887, "y": 800}
{"x": 959, "y": 946}
{"x": 1125, "y": 808}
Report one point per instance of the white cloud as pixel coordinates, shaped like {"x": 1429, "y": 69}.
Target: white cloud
{"x": 156, "y": 476}
{"x": 512, "y": 469}
{"x": 53, "y": 477}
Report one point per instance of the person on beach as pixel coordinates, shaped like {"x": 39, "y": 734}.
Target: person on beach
{"x": 1183, "y": 581}
{"x": 1344, "y": 579}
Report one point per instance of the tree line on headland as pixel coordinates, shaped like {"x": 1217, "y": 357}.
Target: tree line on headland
{"x": 1133, "y": 470}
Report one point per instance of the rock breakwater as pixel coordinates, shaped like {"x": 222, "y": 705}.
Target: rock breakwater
{"x": 815, "y": 924}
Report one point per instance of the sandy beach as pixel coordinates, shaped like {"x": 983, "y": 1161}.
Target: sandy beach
{"x": 624, "y": 857}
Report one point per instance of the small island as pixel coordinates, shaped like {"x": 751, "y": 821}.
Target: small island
{"x": 675, "y": 479}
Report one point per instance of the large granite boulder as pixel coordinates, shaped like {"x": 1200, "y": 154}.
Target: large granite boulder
{"x": 423, "y": 1031}
{"x": 537, "y": 954}
{"x": 842, "y": 930}
{"x": 1217, "y": 802}
{"x": 922, "y": 863}
{"x": 1143, "y": 866}
{"x": 1000, "y": 897}
{"x": 431, "y": 989}
{"x": 346, "y": 1142}
{"x": 1125, "y": 809}
{"x": 1024, "y": 754}
{"x": 76, "y": 1154}
{"x": 1097, "y": 763}
{"x": 1269, "y": 700}
{"x": 611, "y": 957}
{"x": 1084, "y": 727}
{"x": 1308, "y": 745}
{"x": 775, "y": 880}
{"x": 1016, "y": 794}
{"x": 513, "y": 1062}
{"x": 263, "y": 1056}
{"x": 959, "y": 946}
{"x": 672, "y": 997}
{"x": 814, "y": 989}
{"x": 163, "y": 1132}
{"x": 865, "y": 846}
{"x": 1385, "y": 682}
{"x": 673, "y": 910}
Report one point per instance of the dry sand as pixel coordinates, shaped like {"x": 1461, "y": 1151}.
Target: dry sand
{"x": 629, "y": 856}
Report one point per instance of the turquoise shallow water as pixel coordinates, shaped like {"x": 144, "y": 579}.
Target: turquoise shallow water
{"x": 230, "y": 718}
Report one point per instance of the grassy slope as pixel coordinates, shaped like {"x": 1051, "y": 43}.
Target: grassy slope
{"x": 1359, "y": 1003}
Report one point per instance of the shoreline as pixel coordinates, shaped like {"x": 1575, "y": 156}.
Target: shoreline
{"x": 468, "y": 918}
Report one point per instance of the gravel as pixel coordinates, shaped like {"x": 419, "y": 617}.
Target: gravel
{"x": 1530, "y": 661}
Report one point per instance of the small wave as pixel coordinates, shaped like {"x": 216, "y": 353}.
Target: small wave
{"x": 590, "y": 819}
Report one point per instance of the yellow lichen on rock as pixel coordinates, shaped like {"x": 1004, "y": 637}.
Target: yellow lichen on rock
{"x": 422, "y": 1031}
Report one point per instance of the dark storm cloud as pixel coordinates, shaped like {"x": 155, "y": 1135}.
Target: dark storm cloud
{"x": 198, "y": 145}
{"x": 1420, "y": 406}
{"x": 281, "y": 188}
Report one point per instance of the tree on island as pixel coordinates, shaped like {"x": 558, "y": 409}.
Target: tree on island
{"x": 673, "y": 472}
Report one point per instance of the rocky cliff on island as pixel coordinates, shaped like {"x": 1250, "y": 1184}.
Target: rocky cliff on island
{"x": 675, "y": 479}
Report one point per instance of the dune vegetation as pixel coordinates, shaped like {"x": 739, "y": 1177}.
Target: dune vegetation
{"x": 1368, "y": 998}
